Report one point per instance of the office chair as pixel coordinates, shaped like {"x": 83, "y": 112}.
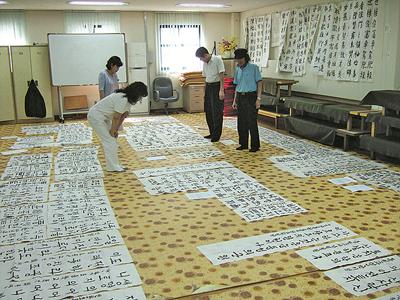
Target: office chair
{"x": 164, "y": 92}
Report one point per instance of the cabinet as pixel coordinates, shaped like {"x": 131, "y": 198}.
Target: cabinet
{"x": 31, "y": 62}
{"x": 7, "y": 111}
{"x": 230, "y": 65}
{"x": 193, "y": 98}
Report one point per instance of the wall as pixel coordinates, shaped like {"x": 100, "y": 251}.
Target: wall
{"x": 387, "y": 52}
{"x": 216, "y": 26}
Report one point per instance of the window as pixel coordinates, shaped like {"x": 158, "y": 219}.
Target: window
{"x": 92, "y": 22}
{"x": 12, "y": 28}
{"x": 178, "y": 43}
{"x": 178, "y": 37}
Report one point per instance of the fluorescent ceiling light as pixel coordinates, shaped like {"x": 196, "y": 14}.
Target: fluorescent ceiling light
{"x": 203, "y": 5}
{"x": 3, "y": 2}
{"x": 97, "y": 3}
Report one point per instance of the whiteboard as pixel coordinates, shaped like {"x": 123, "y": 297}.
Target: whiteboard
{"x": 77, "y": 59}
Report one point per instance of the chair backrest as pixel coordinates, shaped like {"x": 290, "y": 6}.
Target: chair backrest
{"x": 164, "y": 86}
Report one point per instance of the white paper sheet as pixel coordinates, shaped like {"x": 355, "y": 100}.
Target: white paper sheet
{"x": 28, "y": 166}
{"x": 152, "y": 158}
{"x": 321, "y": 163}
{"x": 76, "y": 284}
{"x": 69, "y": 218}
{"x": 201, "y": 154}
{"x": 368, "y": 277}
{"x": 343, "y": 180}
{"x": 358, "y": 188}
{"x": 228, "y": 142}
{"x": 134, "y": 293}
{"x": 65, "y": 263}
{"x": 77, "y": 195}
{"x": 39, "y": 249}
{"x": 12, "y": 152}
{"x": 200, "y": 195}
{"x": 74, "y": 134}
{"x": 225, "y": 252}
{"x": 77, "y": 184}
{"x": 148, "y": 136}
{"x": 35, "y": 209}
{"x": 181, "y": 168}
{"x": 394, "y": 296}
{"x": 383, "y": 178}
{"x": 40, "y": 129}
{"x": 22, "y": 229}
{"x": 32, "y": 142}
{"x": 10, "y": 137}
{"x": 16, "y": 192}
{"x": 342, "y": 253}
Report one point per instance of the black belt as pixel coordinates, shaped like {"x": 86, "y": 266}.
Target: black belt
{"x": 213, "y": 83}
{"x": 246, "y": 93}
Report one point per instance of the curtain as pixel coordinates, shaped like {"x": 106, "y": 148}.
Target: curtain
{"x": 178, "y": 35}
{"x": 12, "y": 28}
{"x": 92, "y": 22}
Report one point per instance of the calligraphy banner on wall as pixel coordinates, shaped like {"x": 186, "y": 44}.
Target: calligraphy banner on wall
{"x": 289, "y": 48}
{"x": 318, "y": 62}
{"x": 346, "y": 41}
{"x": 266, "y": 41}
{"x": 309, "y": 25}
{"x": 256, "y": 35}
{"x": 284, "y": 20}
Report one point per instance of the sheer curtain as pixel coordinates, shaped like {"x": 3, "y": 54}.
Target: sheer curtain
{"x": 12, "y": 28}
{"x": 92, "y": 22}
{"x": 178, "y": 35}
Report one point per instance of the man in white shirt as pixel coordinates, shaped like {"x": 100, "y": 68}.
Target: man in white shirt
{"x": 213, "y": 70}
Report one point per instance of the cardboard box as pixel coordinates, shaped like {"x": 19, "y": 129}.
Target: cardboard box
{"x": 75, "y": 102}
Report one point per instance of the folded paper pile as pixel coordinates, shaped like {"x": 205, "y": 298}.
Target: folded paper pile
{"x": 190, "y": 78}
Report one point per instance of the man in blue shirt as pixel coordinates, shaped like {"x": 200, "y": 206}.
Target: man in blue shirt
{"x": 248, "y": 91}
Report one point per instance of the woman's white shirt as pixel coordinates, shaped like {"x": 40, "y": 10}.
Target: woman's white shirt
{"x": 108, "y": 106}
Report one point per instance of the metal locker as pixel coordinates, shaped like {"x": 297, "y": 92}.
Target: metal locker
{"x": 31, "y": 62}
{"x": 41, "y": 72}
{"x": 7, "y": 111}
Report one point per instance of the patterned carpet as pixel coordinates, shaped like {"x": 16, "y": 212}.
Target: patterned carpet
{"x": 162, "y": 232}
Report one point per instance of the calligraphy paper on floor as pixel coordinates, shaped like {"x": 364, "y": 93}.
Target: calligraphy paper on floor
{"x": 342, "y": 253}
{"x": 368, "y": 277}
{"x": 21, "y": 253}
{"x": 65, "y": 263}
{"x": 73, "y": 285}
{"x": 235, "y": 250}
{"x": 133, "y": 293}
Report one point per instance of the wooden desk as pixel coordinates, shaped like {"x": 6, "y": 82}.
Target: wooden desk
{"x": 363, "y": 114}
{"x": 278, "y": 83}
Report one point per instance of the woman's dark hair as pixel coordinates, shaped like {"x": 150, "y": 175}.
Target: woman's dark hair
{"x": 134, "y": 92}
{"x": 114, "y": 60}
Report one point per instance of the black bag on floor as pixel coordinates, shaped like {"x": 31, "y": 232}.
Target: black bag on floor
{"x": 34, "y": 102}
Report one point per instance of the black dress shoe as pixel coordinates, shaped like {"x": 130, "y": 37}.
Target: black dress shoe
{"x": 214, "y": 140}
{"x": 254, "y": 149}
{"x": 208, "y": 136}
{"x": 241, "y": 148}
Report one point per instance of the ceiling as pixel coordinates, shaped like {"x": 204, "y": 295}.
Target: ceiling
{"x": 141, "y": 5}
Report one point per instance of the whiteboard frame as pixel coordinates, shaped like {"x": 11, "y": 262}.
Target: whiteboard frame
{"x": 124, "y": 59}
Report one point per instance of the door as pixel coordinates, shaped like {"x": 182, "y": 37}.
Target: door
{"x": 7, "y": 112}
